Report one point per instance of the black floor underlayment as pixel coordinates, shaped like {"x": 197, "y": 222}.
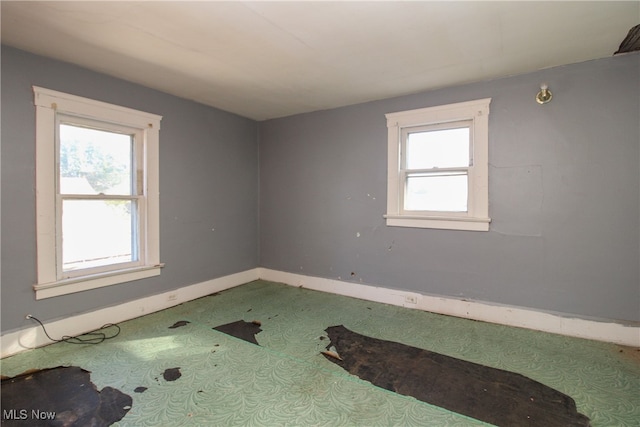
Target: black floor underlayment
{"x": 488, "y": 394}
{"x": 62, "y": 396}
{"x": 171, "y": 374}
{"x": 243, "y": 330}
{"x": 179, "y": 324}
{"x": 491, "y": 395}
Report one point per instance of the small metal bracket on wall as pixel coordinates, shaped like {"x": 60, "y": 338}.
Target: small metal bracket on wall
{"x": 544, "y": 95}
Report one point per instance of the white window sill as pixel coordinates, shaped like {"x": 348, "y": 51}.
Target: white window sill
{"x": 84, "y": 283}
{"x": 438, "y": 222}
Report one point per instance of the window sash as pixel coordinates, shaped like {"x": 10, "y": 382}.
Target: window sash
{"x": 138, "y": 207}
{"x": 137, "y": 135}
{"x": 433, "y": 173}
{"x": 405, "y": 173}
{"x": 136, "y": 196}
{"x": 406, "y": 131}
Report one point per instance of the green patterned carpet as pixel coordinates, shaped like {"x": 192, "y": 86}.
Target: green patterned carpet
{"x": 287, "y": 382}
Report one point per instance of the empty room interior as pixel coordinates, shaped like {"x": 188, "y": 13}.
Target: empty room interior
{"x": 320, "y": 213}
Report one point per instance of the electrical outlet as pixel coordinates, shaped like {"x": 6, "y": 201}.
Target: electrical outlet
{"x": 411, "y": 299}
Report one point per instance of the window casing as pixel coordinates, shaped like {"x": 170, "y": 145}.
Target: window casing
{"x": 96, "y": 164}
{"x": 438, "y": 167}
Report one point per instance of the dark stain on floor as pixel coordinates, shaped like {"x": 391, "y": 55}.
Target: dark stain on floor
{"x": 62, "y": 396}
{"x": 488, "y": 394}
{"x": 140, "y": 389}
{"x": 243, "y": 330}
{"x": 171, "y": 374}
{"x": 179, "y": 324}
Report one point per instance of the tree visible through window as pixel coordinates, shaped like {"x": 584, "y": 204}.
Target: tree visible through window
{"x": 98, "y": 194}
{"x": 97, "y": 197}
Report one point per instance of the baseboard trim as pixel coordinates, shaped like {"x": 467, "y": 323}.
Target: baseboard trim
{"x": 558, "y": 323}
{"x": 33, "y": 336}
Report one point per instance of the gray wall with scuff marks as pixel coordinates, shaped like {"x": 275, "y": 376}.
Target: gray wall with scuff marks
{"x": 208, "y": 188}
{"x": 564, "y": 196}
{"x": 306, "y": 194}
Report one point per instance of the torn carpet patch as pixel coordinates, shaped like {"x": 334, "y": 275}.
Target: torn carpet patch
{"x": 488, "y": 394}
{"x": 63, "y": 396}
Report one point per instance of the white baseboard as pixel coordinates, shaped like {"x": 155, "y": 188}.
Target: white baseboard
{"x": 557, "y": 323}
{"x": 32, "y": 337}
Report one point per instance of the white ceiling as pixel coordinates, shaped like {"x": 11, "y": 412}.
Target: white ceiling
{"x": 272, "y": 59}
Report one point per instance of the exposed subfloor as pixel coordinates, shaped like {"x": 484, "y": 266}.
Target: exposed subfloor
{"x": 286, "y": 381}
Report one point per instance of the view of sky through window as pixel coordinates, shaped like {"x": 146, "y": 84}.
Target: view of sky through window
{"x": 428, "y": 186}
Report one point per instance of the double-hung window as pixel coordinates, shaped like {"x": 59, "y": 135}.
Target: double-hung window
{"x": 438, "y": 167}
{"x": 97, "y": 193}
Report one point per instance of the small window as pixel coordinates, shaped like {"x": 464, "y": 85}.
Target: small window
{"x": 97, "y": 199}
{"x": 438, "y": 167}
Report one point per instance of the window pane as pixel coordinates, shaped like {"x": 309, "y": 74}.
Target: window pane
{"x": 436, "y": 192}
{"x": 443, "y": 148}
{"x": 95, "y": 161}
{"x": 97, "y": 233}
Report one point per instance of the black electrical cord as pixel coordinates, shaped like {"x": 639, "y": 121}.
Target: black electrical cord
{"x": 93, "y": 337}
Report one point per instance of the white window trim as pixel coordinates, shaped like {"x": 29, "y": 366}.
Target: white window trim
{"x": 48, "y": 103}
{"x": 477, "y": 216}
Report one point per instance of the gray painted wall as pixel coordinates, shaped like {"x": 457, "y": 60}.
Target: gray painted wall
{"x": 564, "y": 196}
{"x": 208, "y": 180}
